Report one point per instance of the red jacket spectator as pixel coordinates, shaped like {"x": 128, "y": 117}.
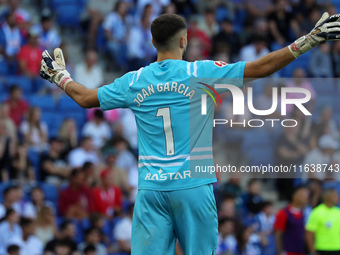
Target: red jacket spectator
{"x": 29, "y": 57}
{"x": 108, "y": 198}
{"x": 76, "y": 201}
{"x": 17, "y": 106}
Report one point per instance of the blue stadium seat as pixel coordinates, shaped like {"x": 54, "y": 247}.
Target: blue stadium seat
{"x": 50, "y": 191}
{"x": 69, "y": 15}
{"x": 324, "y": 86}
{"x": 23, "y": 82}
{"x": 67, "y": 104}
{"x": 43, "y": 102}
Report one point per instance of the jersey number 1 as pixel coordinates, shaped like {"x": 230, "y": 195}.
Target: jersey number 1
{"x": 169, "y": 136}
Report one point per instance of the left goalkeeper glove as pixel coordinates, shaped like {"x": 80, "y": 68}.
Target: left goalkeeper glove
{"x": 54, "y": 70}
{"x": 327, "y": 29}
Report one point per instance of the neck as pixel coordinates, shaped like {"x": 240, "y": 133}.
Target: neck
{"x": 169, "y": 55}
{"x": 328, "y": 204}
{"x": 295, "y": 205}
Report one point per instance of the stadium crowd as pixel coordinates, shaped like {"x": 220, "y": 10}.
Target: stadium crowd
{"x": 69, "y": 176}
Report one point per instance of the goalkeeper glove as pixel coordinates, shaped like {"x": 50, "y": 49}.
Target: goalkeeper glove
{"x": 54, "y": 70}
{"x": 327, "y": 29}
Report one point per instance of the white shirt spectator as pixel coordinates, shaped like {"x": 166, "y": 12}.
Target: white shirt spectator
{"x": 157, "y": 6}
{"x": 139, "y": 44}
{"x": 117, "y": 27}
{"x": 123, "y": 230}
{"x": 48, "y": 40}
{"x": 90, "y": 78}
{"x": 35, "y": 137}
{"x": 25, "y": 209}
{"x": 248, "y": 53}
{"x": 32, "y": 246}
{"x": 229, "y": 244}
{"x": 127, "y": 161}
{"x": 99, "y": 133}
{"x": 127, "y": 118}
{"x": 13, "y": 40}
{"x": 100, "y": 248}
{"x": 79, "y": 156}
{"x": 7, "y": 235}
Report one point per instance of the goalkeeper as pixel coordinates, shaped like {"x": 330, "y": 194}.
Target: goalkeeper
{"x": 170, "y": 203}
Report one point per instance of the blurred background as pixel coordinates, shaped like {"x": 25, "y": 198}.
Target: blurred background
{"x": 69, "y": 175}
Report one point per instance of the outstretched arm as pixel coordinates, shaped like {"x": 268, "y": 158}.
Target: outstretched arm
{"x": 327, "y": 29}
{"x": 268, "y": 64}
{"x": 86, "y": 98}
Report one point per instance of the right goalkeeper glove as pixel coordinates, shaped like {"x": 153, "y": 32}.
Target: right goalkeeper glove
{"x": 327, "y": 29}
{"x": 54, "y": 70}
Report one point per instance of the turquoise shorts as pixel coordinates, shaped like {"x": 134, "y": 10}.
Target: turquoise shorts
{"x": 161, "y": 217}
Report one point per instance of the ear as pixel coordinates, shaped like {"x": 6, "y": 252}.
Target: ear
{"x": 182, "y": 42}
{"x": 153, "y": 43}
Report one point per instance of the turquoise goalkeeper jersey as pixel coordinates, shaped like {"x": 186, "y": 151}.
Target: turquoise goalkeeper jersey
{"x": 173, "y": 136}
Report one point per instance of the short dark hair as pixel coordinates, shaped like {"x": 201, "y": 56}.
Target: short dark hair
{"x": 13, "y": 88}
{"x": 91, "y": 230}
{"x": 99, "y": 114}
{"x": 8, "y": 190}
{"x": 295, "y": 190}
{"x": 24, "y": 222}
{"x": 13, "y": 248}
{"x": 89, "y": 248}
{"x": 164, "y": 27}
{"x": 65, "y": 224}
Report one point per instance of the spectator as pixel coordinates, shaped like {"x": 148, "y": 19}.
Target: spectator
{"x": 280, "y": 23}
{"x": 22, "y": 16}
{"x": 231, "y": 187}
{"x": 82, "y": 154}
{"x": 28, "y": 243}
{"x": 34, "y": 130}
{"x": 10, "y": 41}
{"x": 264, "y": 101}
{"x": 90, "y": 176}
{"x": 90, "y": 250}
{"x": 9, "y": 229}
{"x": 289, "y": 224}
{"x": 76, "y": 201}
{"x": 299, "y": 81}
{"x": 252, "y": 199}
{"x": 117, "y": 25}
{"x": 13, "y": 249}
{"x": 29, "y": 57}
{"x": 92, "y": 237}
{"x": 94, "y": 14}
{"x": 141, "y": 52}
{"x": 323, "y": 226}
{"x": 126, "y": 160}
{"x": 63, "y": 240}
{"x": 155, "y": 7}
{"x": 23, "y": 207}
{"x": 108, "y": 199}
{"x": 9, "y": 123}
{"x": 18, "y": 107}
{"x": 227, "y": 41}
{"x": 21, "y": 167}
{"x": 38, "y": 199}
{"x": 324, "y": 154}
{"x": 53, "y": 166}
{"x": 45, "y": 225}
{"x": 122, "y": 232}
{"x": 226, "y": 238}
{"x": 194, "y": 32}
{"x": 290, "y": 150}
{"x": 49, "y": 38}
{"x": 321, "y": 58}
{"x": 7, "y": 148}
{"x": 97, "y": 129}
{"x": 69, "y": 135}
{"x": 247, "y": 242}
{"x": 89, "y": 73}
{"x": 258, "y": 9}
{"x": 10, "y": 196}
{"x": 325, "y": 125}
{"x": 209, "y": 24}
{"x": 228, "y": 207}
{"x": 255, "y": 50}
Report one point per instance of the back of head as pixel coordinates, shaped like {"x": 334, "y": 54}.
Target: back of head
{"x": 166, "y": 29}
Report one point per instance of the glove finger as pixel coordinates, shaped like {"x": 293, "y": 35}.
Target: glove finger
{"x": 59, "y": 57}
{"x": 333, "y": 29}
{"x": 332, "y": 24}
{"x": 332, "y": 18}
{"x": 323, "y": 19}
{"x": 334, "y": 36}
{"x": 45, "y": 54}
